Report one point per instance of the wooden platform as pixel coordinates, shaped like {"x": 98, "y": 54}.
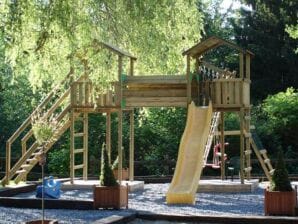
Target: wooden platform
{"x": 81, "y": 184}
{"x": 227, "y": 186}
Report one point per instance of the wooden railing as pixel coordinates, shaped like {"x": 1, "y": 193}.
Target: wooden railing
{"x": 52, "y": 103}
{"x": 83, "y": 95}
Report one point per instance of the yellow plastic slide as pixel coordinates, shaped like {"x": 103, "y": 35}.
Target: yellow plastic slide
{"x": 189, "y": 165}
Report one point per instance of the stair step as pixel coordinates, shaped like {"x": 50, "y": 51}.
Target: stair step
{"x": 247, "y": 152}
{"x": 271, "y": 172}
{"x": 267, "y": 161}
{"x": 26, "y": 166}
{"x": 31, "y": 160}
{"x": 78, "y": 134}
{"x": 76, "y": 167}
{"x": 36, "y": 153}
{"x": 247, "y": 169}
{"x": 263, "y": 151}
{"x": 78, "y": 151}
{"x": 21, "y": 171}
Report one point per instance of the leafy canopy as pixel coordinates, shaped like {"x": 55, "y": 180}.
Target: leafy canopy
{"x": 46, "y": 38}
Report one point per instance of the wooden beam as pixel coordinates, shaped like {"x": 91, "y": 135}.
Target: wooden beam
{"x": 247, "y": 66}
{"x": 241, "y": 65}
{"x": 131, "y": 67}
{"x": 222, "y": 145}
{"x": 108, "y": 135}
{"x": 131, "y": 146}
{"x": 188, "y": 79}
{"x": 72, "y": 131}
{"x": 241, "y": 114}
{"x": 85, "y": 146}
{"x": 120, "y": 117}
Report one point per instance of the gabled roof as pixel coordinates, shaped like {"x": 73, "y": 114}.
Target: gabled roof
{"x": 211, "y": 43}
{"x": 117, "y": 50}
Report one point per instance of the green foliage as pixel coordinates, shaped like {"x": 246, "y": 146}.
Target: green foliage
{"x": 261, "y": 29}
{"x": 277, "y": 119}
{"x": 59, "y": 161}
{"x": 106, "y": 175}
{"x": 280, "y": 180}
{"x": 45, "y": 38}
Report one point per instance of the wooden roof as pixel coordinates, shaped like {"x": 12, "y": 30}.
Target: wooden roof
{"x": 211, "y": 43}
{"x": 117, "y": 50}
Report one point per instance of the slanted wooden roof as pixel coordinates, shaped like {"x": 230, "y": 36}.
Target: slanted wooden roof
{"x": 211, "y": 43}
{"x": 117, "y": 50}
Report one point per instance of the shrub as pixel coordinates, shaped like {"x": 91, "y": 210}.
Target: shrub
{"x": 106, "y": 174}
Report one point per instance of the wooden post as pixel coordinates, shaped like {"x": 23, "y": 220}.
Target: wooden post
{"x": 120, "y": 145}
{"x": 241, "y": 66}
{"x": 247, "y": 66}
{"x": 247, "y": 143}
{"x": 241, "y": 146}
{"x": 131, "y": 146}
{"x": 222, "y": 145}
{"x": 108, "y": 135}
{"x": 85, "y": 146}
{"x": 188, "y": 79}
{"x": 131, "y": 73}
{"x": 72, "y": 126}
{"x": 8, "y": 162}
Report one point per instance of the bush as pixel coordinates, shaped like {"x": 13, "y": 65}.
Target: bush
{"x": 106, "y": 174}
{"x": 280, "y": 179}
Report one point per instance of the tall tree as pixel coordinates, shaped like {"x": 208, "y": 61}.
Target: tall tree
{"x": 45, "y": 38}
{"x": 261, "y": 28}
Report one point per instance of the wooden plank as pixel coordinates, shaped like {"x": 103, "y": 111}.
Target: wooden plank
{"x": 72, "y": 142}
{"x": 131, "y": 67}
{"x": 131, "y": 146}
{"x": 155, "y": 93}
{"x": 247, "y": 66}
{"x": 108, "y": 135}
{"x": 241, "y": 115}
{"x": 155, "y": 86}
{"x": 155, "y": 99}
{"x": 76, "y": 167}
{"x": 117, "y": 50}
{"x": 241, "y": 65}
{"x": 85, "y": 146}
{"x": 188, "y": 77}
{"x": 222, "y": 148}
{"x": 120, "y": 116}
{"x": 76, "y": 151}
{"x": 81, "y": 93}
{"x": 156, "y": 104}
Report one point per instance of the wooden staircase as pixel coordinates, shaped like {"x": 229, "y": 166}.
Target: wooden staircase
{"x": 262, "y": 156}
{"x": 56, "y": 103}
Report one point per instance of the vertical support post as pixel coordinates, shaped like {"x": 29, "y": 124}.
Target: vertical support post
{"x": 188, "y": 77}
{"x": 131, "y": 146}
{"x": 241, "y": 146}
{"x": 108, "y": 135}
{"x": 247, "y": 143}
{"x": 131, "y": 72}
{"x": 241, "y": 65}
{"x": 85, "y": 146}
{"x": 247, "y": 66}
{"x": 120, "y": 117}
{"x": 72, "y": 127}
{"x": 8, "y": 162}
{"x": 222, "y": 145}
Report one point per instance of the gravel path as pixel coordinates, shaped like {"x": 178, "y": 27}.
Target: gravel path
{"x": 152, "y": 199}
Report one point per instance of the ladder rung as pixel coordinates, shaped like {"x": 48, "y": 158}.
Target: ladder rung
{"x": 81, "y": 166}
{"x": 78, "y": 134}
{"x": 26, "y": 166}
{"x": 271, "y": 172}
{"x": 267, "y": 161}
{"x": 247, "y": 117}
{"x": 21, "y": 171}
{"x": 263, "y": 151}
{"x": 31, "y": 160}
{"x": 36, "y": 154}
{"x": 78, "y": 150}
{"x": 247, "y": 152}
{"x": 247, "y": 169}
{"x": 247, "y": 135}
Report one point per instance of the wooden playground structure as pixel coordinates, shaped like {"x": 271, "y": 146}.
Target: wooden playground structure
{"x": 228, "y": 92}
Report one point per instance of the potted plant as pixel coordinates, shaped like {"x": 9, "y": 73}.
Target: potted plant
{"x": 125, "y": 170}
{"x": 109, "y": 194}
{"x": 280, "y": 198}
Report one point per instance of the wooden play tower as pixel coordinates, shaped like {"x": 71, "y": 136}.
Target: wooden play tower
{"x": 228, "y": 92}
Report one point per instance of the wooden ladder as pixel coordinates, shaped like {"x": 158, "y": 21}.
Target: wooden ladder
{"x": 263, "y": 158}
{"x": 76, "y": 150}
{"x": 214, "y": 123}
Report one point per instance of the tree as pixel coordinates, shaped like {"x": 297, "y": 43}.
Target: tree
{"x": 46, "y": 38}
{"x": 106, "y": 174}
{"x": 261, "y": 28}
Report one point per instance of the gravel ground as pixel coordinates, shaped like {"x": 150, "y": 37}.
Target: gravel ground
{"x": 152, "y": 199}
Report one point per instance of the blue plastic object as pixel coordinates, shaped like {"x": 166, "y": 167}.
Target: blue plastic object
{"x": 51, "y": 188}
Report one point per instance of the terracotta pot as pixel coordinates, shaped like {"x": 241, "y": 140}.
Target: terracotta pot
{"x": 125, "y": 173}
{"x": 110, "y": 197}
{"x": 280, "y": 202}
{"x": 45, "y": 222}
